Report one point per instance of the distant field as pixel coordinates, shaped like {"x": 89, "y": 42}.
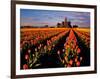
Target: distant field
{"x": 27, "y": 29}
{"x": 81, "y": 29}
{"x": 84, "y": 29}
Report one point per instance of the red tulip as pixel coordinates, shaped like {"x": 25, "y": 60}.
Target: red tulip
{"x": 68, "y": 65}
{"x": 25, "y": 66}
{"x": 78, "y": 50}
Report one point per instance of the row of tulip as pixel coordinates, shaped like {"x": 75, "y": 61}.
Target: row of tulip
{"x": 85, "y": 37}
{"x": 71, "y": 53}
{"x": 31, "y": 55}
{"x": 37, "y": 36}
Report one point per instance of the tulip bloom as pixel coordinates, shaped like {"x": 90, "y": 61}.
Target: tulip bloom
{"x": 77, "y": 63}
{"x": 78, "y": 50}
{"x": 26, "y": 56}
{"x": 68, "y": 65}
{"x": 71, "y": 62}
{"x": 29, "y": 50}
{"x": 81, "y": 58}
{"x": 25, "y": 66}
{"x": 58, "y": 52}
{"x": 75, "y": 59}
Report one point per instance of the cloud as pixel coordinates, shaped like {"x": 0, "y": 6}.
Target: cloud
{"x": 35, "y": 23}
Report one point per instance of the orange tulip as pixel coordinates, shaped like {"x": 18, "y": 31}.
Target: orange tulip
{"x": 78, "y": 63}
{"x": 71, "y": 62}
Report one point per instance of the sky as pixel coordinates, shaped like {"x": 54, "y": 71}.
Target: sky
{"x": 39, "y": 18}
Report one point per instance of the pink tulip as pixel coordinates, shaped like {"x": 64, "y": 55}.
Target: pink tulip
{"x": 29, "y": 50}
{"x": 58, "y": 52}
{"x": 26, "y": 56}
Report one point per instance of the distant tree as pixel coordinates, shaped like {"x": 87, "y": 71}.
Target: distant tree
{"x": 46, "y": 26}
{"x": 75, "y": 26}
{"x": 62, "y": 24}
{"x": 58, "y": 25}
{"x": 69, "y": 24}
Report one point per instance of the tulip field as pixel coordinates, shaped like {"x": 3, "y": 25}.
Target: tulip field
{"x": 54, "y": 47}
